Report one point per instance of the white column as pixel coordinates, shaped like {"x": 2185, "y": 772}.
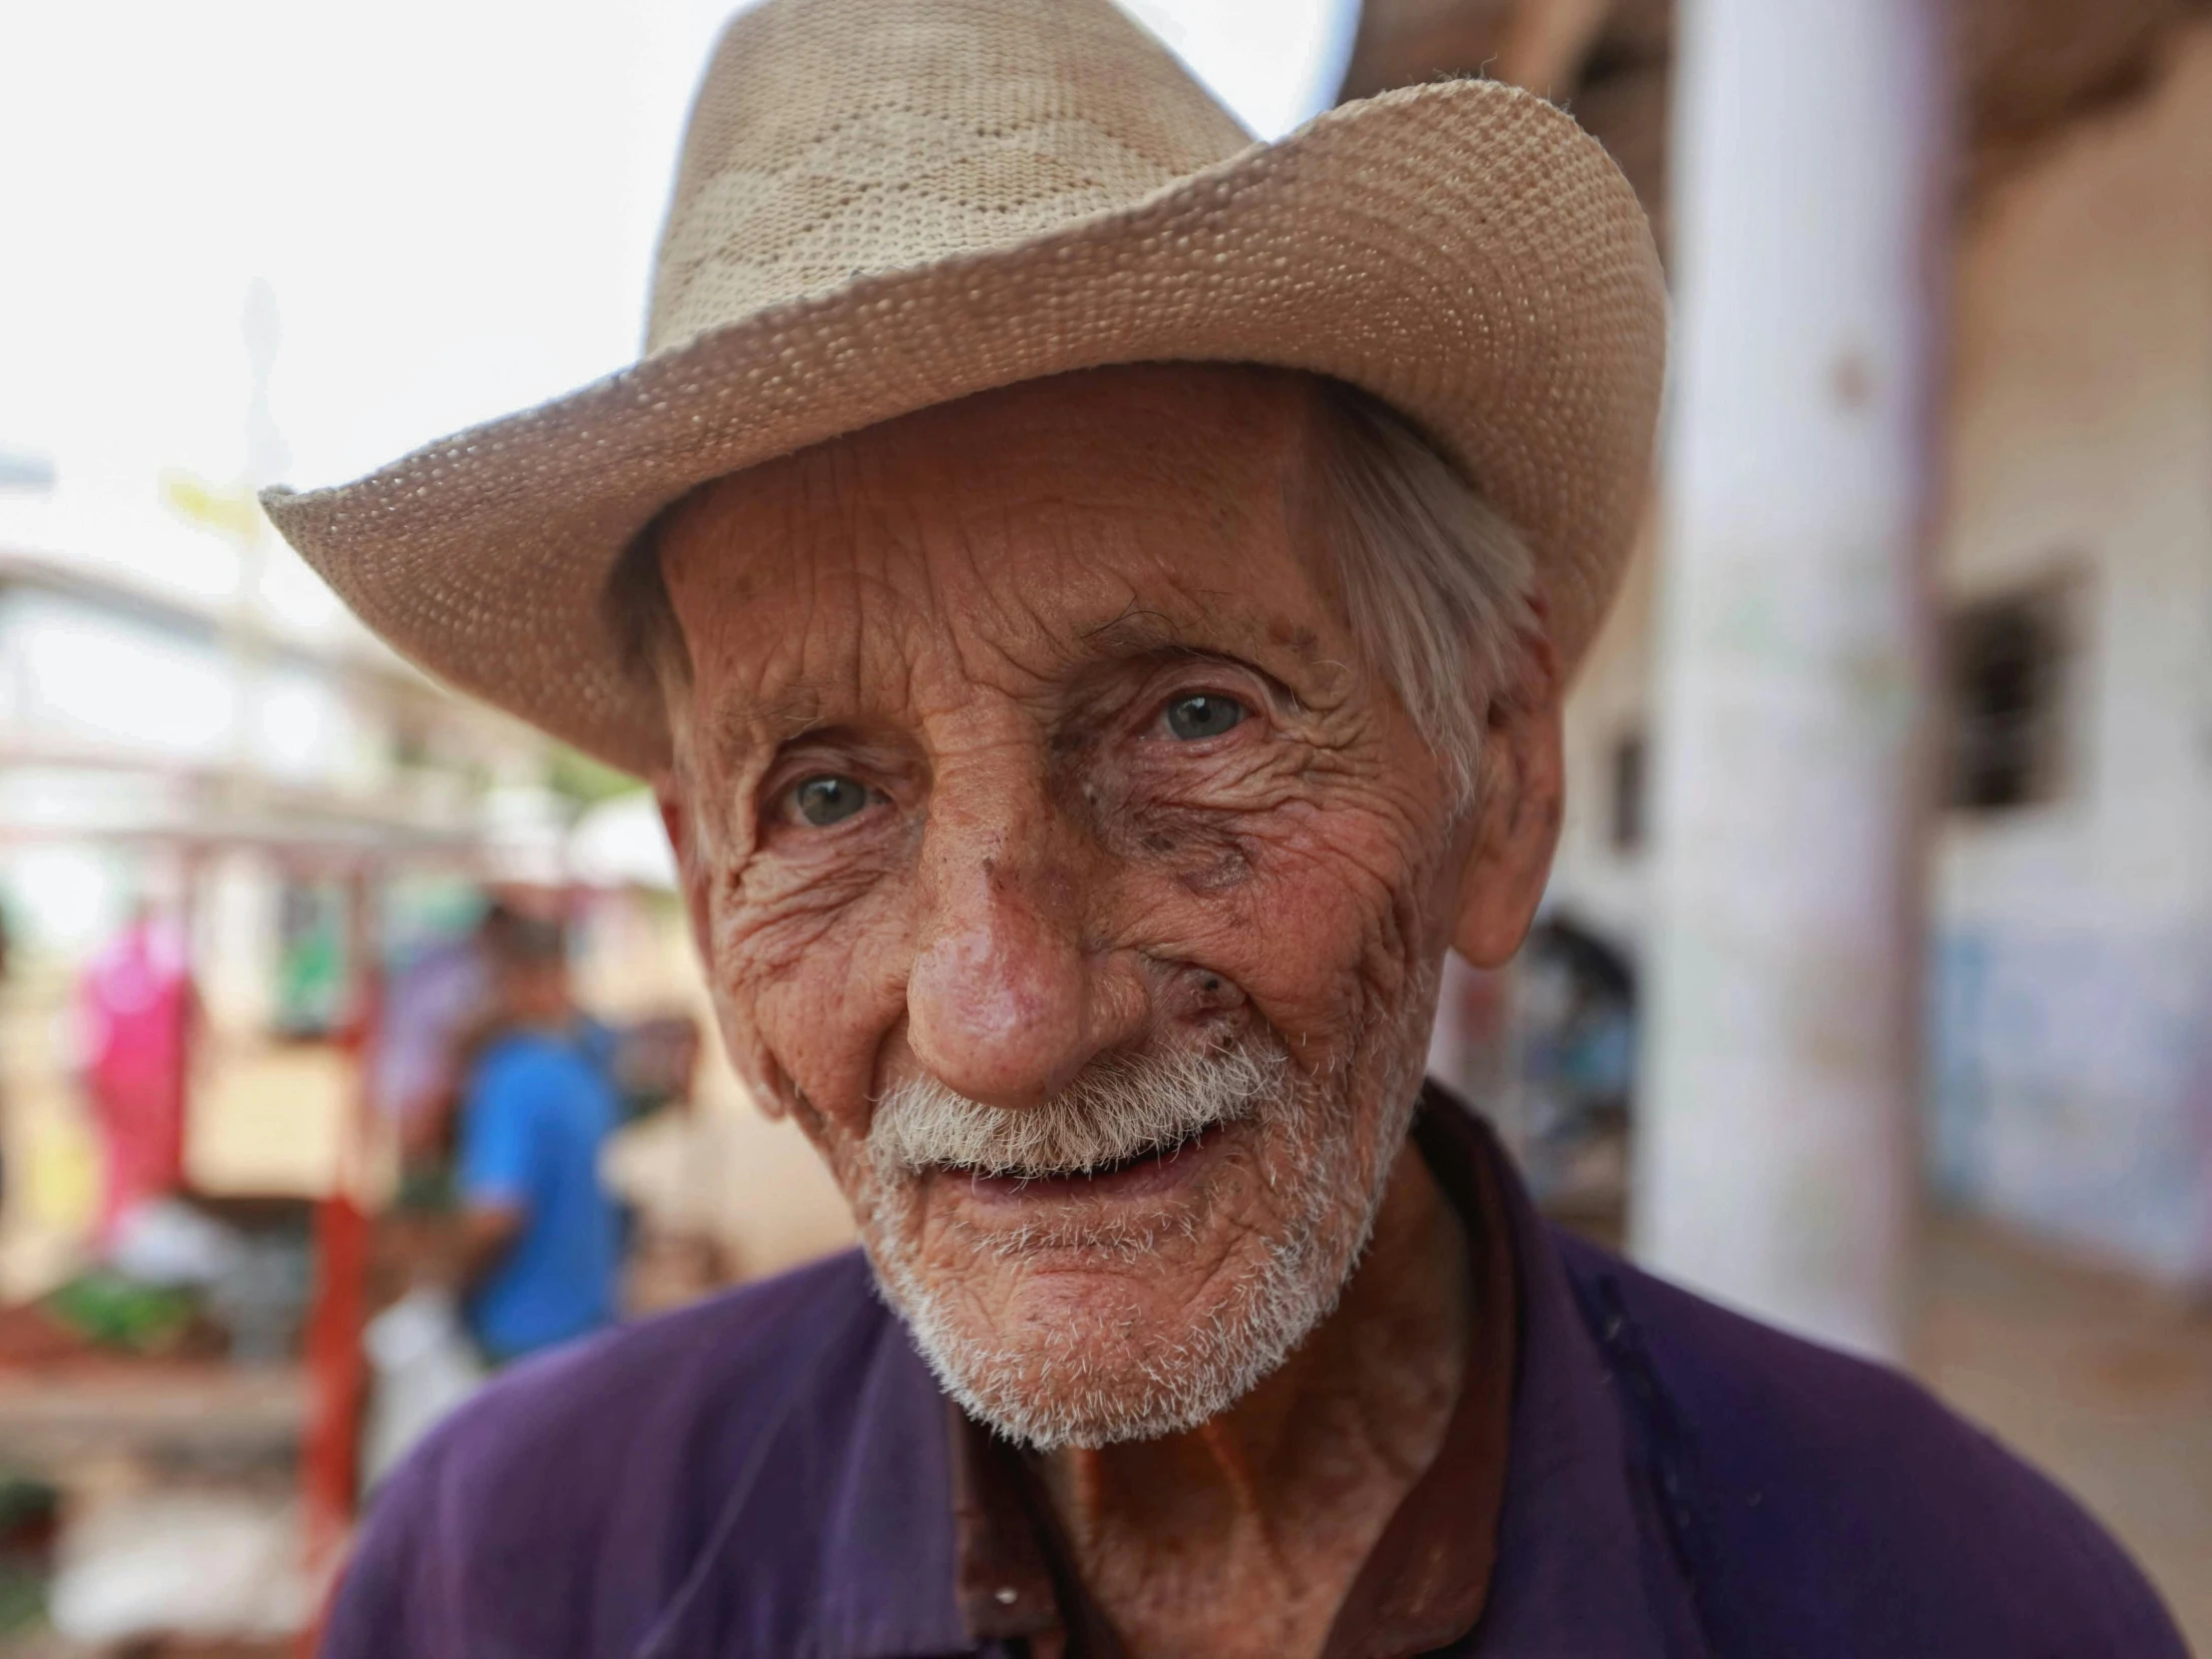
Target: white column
{"x": 1776, "y": 1149}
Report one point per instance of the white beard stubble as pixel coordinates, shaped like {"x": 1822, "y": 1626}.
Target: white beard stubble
{"x": 1094, "y": 1382}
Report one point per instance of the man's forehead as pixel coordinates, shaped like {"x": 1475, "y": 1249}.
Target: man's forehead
{"x": 1206, "y": 438}
{"x": 1102, "y": 516}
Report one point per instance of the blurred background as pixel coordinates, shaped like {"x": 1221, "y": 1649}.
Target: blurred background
{"x": 1873, "y": 993}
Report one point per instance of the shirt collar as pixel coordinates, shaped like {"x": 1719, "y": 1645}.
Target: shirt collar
{"x": 1429, "y": 1576}
{"x": 1576, "y": 1569}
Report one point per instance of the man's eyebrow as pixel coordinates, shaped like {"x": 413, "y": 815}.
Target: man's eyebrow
{"x": 1135, "y": 631}
{"x": 741, "y": 722}
{"x": 1142, "y": 632}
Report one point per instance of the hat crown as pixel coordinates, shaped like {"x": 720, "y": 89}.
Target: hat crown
{"x": 831, "y": 138}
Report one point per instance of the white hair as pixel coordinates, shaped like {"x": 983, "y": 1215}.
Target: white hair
{"x": 1435, "y": 582}
{"x": 1123, "y": 1108}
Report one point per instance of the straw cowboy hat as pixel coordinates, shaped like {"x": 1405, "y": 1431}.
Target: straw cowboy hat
{"x": 884, "y": 205}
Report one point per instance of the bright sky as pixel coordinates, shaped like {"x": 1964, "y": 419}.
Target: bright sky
{"x": 453, "y": 202}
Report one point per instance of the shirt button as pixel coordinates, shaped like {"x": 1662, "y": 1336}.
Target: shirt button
{"x": 1006, "y": 1595}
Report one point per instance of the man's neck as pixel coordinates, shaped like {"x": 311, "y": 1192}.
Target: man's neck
{"x": 1243, "y": 1535}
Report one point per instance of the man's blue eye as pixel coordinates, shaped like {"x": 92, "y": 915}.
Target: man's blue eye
{"x": 828, "y": 800}
{"x": 1205, "y": 714}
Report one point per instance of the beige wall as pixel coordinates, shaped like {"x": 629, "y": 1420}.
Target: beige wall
{"x": 2071, "y": 968}
{"x": 2074, "y": 973}
{"x": 2081, "y": 437}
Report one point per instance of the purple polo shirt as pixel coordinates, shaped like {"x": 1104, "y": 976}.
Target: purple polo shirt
{"x": 767, "y": 1475}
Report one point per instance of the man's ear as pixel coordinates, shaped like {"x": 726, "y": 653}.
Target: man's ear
{"x": 1516, "y": 818}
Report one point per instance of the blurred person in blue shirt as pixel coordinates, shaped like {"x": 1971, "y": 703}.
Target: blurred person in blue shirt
{"x": 541, "y": 1233}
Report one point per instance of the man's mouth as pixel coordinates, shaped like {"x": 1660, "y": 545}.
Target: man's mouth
{"x": 1153, "y": 1169}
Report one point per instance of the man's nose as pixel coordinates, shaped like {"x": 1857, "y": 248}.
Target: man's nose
{"x": 1006, "y": 1003}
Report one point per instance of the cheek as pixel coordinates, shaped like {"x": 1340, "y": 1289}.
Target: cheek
{"x": 809, "y": 971}
{"x": 1335, "y": 916}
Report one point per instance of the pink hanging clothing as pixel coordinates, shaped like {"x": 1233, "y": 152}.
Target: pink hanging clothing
{"x": 134, "y": 1002}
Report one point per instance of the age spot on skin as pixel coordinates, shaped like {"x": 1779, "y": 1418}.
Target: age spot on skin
{"x": 1228, "y": 868}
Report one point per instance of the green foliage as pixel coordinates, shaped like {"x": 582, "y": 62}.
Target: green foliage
{"x": 116, "y": 1312}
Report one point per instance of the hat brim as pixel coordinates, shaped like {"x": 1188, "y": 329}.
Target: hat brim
{"x": 1463, "y": 251}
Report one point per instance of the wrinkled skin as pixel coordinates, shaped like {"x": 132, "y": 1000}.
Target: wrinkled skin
{"x": 986, "y": 622}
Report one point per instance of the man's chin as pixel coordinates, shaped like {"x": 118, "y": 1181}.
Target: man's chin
{"x": 1099, "y": 1329}
{"x": 1083, "y": 1384}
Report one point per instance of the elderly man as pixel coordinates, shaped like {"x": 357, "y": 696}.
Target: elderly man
{"x": 1093, "y": 598}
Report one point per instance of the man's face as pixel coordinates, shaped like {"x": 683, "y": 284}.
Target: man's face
{"x": 535, "y": 991}
{"x": 1059, "y": 864}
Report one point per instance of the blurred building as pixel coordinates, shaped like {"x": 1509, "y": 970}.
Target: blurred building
{"x": 136, "y": 697}
{"x": 188, "y": 723}
{"x": 2069, "y": 973}
{"x": 188, "y": 719}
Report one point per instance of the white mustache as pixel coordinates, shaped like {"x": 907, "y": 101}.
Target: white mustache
{"x": 1116, "y": 1112}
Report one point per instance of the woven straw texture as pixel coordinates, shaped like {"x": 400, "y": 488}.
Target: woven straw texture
{"x": 884, "y": 205}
